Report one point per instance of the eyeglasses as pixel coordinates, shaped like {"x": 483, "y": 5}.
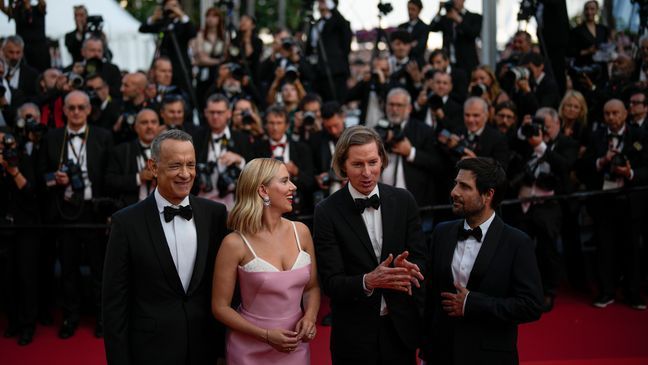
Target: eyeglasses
{"x": 637, "y": 102}
{"x": 80, "y": 108}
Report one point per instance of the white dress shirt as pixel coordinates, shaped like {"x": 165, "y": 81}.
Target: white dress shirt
{"x": 394, "y": 172}
{"x": 466, "y": 253}
{"x": 372, "y": 219}
{"x": 181, "y": 238}
{"x": 215, "y": 151}
{"x": 282, "y": 153}
{"x": 141, "y": 165}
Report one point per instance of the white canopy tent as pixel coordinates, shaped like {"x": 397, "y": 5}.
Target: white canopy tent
{"x": 131, "y": 49}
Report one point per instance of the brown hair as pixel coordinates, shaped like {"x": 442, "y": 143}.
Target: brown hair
{"x": 356, "y": 136}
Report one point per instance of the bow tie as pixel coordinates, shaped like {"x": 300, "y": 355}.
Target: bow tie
{"x": 73, "y": 135}
{"x": 170, "y": 212}
{"x": 614, "y": 135}
{"x": 362, "y": 204}
{"x": 275, "y": 146}
{"x": 464, "y": 234}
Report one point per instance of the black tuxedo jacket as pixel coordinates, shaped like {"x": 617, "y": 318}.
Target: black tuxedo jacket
{"x": 505, "y": 290}
{"x": 419, "y": 34}
{"x": 148, "y": 317}
{"x": 561, "y": 155}
{"x": 635, "y": 149}
{"x": 345, "y": 254}
{"x": 121, "y": 171}
{"x": 336, "y": 38}
{"x": 463, "y": 37}
{"x": 98, "y": 148}
{"x": 459, "y": 86}
{"x": 28, "y": 80}
{"x": 419, "y": 173}
{"x": 73, "y": 46}
{"x": 321, "y": 152}
{"x": 453, "y": 120}
{"x": 491, "y": 143}
{"x": 300, "y": 155}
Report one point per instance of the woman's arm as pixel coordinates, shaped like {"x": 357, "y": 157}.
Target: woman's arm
{"x": 311, "y": 299}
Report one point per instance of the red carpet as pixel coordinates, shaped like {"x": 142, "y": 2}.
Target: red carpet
{"x": 574, "y": 333}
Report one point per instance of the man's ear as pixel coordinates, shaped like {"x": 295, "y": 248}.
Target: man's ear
{"x": 153, "y": 166}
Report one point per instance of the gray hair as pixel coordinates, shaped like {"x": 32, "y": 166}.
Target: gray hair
{"x": 476, "y": 99}
{"x": 546, "y": 111}
{"x": 25, "y": 106}
{"x": 93, "y": 39}
{"x": 399, "y": 90}
{"x": 15, "y": 39}
{"x": 77, "y": 92}
{"x": 173, "y": 134}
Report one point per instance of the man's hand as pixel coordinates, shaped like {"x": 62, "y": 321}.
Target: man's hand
{"x": 523, "y": 85}
{"x": 293, "y": 170}
{"x": 414, "y": 270}
{"x": 62, "y": 178}
{"x": 421, "y": 100}
{"x": 439, "y": 113}
{"x": 230, "y": 158}
{"x": 394, "y": 278}
{"x": 414, "y": 71}
{"x": 452, "y": 303}
{"x": 146, "y": 175}
{"x": 535, "y": 141}
{"x": 468, "y": 153}
{"x": 625, "y": 171}
{"x": 403, "y": 148}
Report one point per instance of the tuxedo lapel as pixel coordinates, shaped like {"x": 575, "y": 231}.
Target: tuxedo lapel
{"x": 388, "y": 208}
{"x": 350, "y": 214}
{"x": 448, "y": 252}
{"x": 486, "y": 253}
{"x": 160, "y": 245}
{"x": 202, "y": 242}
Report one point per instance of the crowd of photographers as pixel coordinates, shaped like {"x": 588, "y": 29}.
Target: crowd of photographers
{"x": 74, "y": 140}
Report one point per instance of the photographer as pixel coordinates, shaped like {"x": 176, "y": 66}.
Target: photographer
{"x": 127, "y": 174}
{"x": 133, "y": 100}
{"x": 328, "y": 48}
{"x": 52, "y": 87}
{"x": 92, "y": 52}
{"x": 74, "y": 39}
{"x": 460, "y": 30}
{"x": 286, "y": 55}
{"x": 19, "y": 206}
{"x": 586, "y": 39}
{"x": 221, "y": 153}
{"x": 533, "y": 88}
{"x": 411, "y": 149}
{"x": 295, "y": 155}
{"x": 170, "y": 20}
{"x": 72, "y": 161}
{"x": 247, "y": 47}
{"x": 245, "y": 119}
{"x": 441, "y": 62}
{"x": 403, "y": 71}
{"x": 545, "y": 172}
{"x": 30, "y": 27}
{"x": 234, "y": 83}
{"x": 105, "y": 111}
{"x": 435, "y": 107}
{"x": 417, "y": 29}
{"x": 510, "y": 57}
{"x": 20, "y": 76}
{"x": 322, "y": 146}
{"x": 172, "y": 114}
{"x": 370, "y": 91}
{"x": 616, "y": 158}
{"x": 307, "y": 120}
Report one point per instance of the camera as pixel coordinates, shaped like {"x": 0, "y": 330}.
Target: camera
{"x": 246, "y": 117}
{"x": 204, "y": 170}
{"x": 429, "y": 74}
{"x": 236, "y": 71}
{"x": 459, "y": 149}
{"x": 95, "y": 101}
{"x": 226, "y": 182}
{"x": 389, "y": 133}
{"x": 93, "y": 66}
{"x": 519, "y": 73}
{"x": 95, "y": 25}
{"x": 527, "y": 10}
{"x": 30, "y": 125}
{"x": 291, "y": 74}
{"x": 76, "y": 81}
{"x": 435, "y": 102}
{"x": 288, "y": 44}
{"x": 619, "y": 160}
{"x": 75, "y": 174}
{"x": 385, "y": 8}
{"x": 448, "y": 5}
{"x": 308, "y": 119}
{"x": 478, "y": 90}
{"x": 9, "y": 151}
{"x": 533, "y": 129}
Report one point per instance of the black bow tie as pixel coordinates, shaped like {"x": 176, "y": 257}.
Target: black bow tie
{"x": 73, "y": 135}
{"x": 464, "y": 234}
{"x": 170, "y": 212}
{"x": 373, "y": 202}
{"x": 614, "y": 135}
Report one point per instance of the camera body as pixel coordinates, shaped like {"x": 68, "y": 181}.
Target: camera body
{"x": 448, "y": 5}
{"x": 236, "y": 71}
{"x": 227, "y": 179}
{"x": 389, "y": 133}
{"x": 533, "y": 129}
{"x": 309, "y": 119}
{"x": 75, "y": 174}
{"x": 204, "y": 170}
{"x": 619, "y": 160}
{"x": 434, "y": 101}
{"x": 478, "y": 90}
{"x": 246, "y": 117}
{"x": 10, "y": 150}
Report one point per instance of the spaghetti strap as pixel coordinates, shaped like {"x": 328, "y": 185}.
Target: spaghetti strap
{"x": 296, "y": 235}
{"x": 247, "y": 243}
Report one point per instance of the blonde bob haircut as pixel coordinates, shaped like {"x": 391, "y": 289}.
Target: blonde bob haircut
{"x": 358, "y": 135}
{"x": 580, "y": 99}
{"x": 245, "y": 217}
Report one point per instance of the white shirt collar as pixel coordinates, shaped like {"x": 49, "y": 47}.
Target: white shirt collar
{"x": 81, "y": 130}
{"x": 283, "y": 140}
{"x": 225, "y": 133}
{"x": 484, "y": 226}
{"x": 355, "y": 194}
{"x": 162, "y": 202}
{"x": 620, "y": 132}
{"x": 540, "y": 78}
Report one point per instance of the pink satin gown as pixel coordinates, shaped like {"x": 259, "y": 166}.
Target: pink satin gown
{"x": 270, "y": 298}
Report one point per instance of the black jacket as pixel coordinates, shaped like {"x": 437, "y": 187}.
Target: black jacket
{"x": 463, "y": 37}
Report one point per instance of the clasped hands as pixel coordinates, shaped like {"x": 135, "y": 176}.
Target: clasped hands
{"x": 287, "y": 341}
{"x": 400, "y": 277}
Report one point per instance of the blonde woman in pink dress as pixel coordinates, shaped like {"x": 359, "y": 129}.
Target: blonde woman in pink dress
{"x": 273, "y": 261}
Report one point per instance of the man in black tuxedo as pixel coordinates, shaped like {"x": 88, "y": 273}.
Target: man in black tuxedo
{"x": 435, "y": 107}
{"x": 411, "y": 149}
{"x": 418, "y": 30}
{"x": 460, "y": 30}
{"x": 159, "y": 265}
{"x": 617, "y": 158}
{"x": 441, "y": 62}
{"x": 21, "y": 76}
{"x": 73, "y": 160}
{"x": 295, "y": 155}
{"x": 638, "y": 113}
{"x": 105, "y": 109}
{"x": 539, "y": 90}
{"x": 219, "y": 151}
{"x": 483, "y": 276}
{"x": 128, "y": 175}
{"x": 370, "y": 247}
{"x": 134, "y": 99}
{"x": 93, "y": 51}
{"x": 322, "y": 146}
{"x": 404, "y": 71}
{"x": 328, "y": 48}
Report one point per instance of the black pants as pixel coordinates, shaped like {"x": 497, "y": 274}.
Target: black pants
{"x": 572, "y": 251}
{"x": 75, "y": 246}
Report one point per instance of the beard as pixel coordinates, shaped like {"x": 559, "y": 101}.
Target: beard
{"x": 467, "y": 210}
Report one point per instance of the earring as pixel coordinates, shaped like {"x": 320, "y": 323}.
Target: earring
{"x": 266, "y": 201}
